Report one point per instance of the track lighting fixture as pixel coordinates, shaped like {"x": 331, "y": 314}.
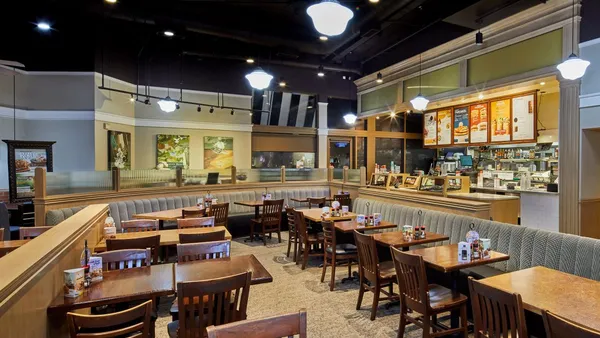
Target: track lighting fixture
{"x": 321, "y": 71}
{"x": 177, "y": 106}
{"x": 323, "y": 38}
{"x": 232, "y": 112}
{"x": 379, "y": 78}
{"x": 282, "y": 82}
{"x": 212, "y": 110}
{"x": 147, "y": 101}
{"x": 199, "y": 109}
{"x": 479, "y": 38}
{"x": 250, "y": 60}
{"x": 131, "y": 99}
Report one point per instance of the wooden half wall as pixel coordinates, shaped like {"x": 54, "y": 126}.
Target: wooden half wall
{"x": 31, "y": 277}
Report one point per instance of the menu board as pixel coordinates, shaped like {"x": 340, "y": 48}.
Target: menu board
{"x": 26, "y": 160}
{"x": 523, "y": 118}
{"x": 461, "y": 126}
{"x": 500, "y": 120}
{"x": 430, "y": 129}
{"x": 479, "y": 123}
{"x": 444, "y": 129}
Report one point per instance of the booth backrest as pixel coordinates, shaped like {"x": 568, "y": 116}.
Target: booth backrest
{"x": 124, "y": 210}
{"x": 527, "y": 247}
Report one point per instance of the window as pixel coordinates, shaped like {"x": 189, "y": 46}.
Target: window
{"x": 361, "y": 152}
{"x": 276, "y": 159}
{"x": 390, "y": 123}
{"x": 388, "y": 150}
{"x": 414, "y": 123}
{"x": 418, "y": 158}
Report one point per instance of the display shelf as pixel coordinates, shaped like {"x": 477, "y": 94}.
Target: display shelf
{"x": 379, "y": 181}
{"x": 442, "y": 185}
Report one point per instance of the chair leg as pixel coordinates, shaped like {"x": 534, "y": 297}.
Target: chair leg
{"x": 295, "y": 247}
{"x": 464, "y": 321}
{"x": 333, "y": 262}
{"x": 324, "y": 269}
{"x": 426, "y": 326}
{"x": 391, "y": 288}
{"x": 402, "y": 325}
{"x": 305, "y": 258}
{"x": 349, "y": 268}
{"x": 264, "y": 235}
{"x": 251, "y": 231}
{"x": 361, "y": 291}
{"x": 299, "y": 253}
{"x": 375, "y": 300}
{"x": 279, "y": 234}
{"x": 289, "y": 245}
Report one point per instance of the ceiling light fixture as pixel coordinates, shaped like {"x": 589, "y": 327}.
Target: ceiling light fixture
{"x": 199, "y": 109}
{"x": 250, "y": 113}
{"x": 330, "y": 17}
{"x": 480, "y": 96}
{"x": 419, "y": 102}
{"x": 111, "y": 1}
{"x": 377, "y": 117}
{"x": 350, "y": 118}
{"x": 259, "y": 79}
{"x": 131, "y": 99}
{"x": 212, "y": 110}
{"x": 373, "y": 1}
{"x": 320, "y": 71}
{"x": 323, "y": 38}
{"x": 573, "y": 67}
{"x": 542, "y": 83}
{"x": 232, "y": 112}
{"x": 479, "y": 38}
{"x": 147, "y": 102}
{"x": 167, "y": 105}
{"x": 43, "y": 26}
{"x": 282, "y": 82}
{"x": 309, "y": 107}
{"x": 379, "y": 78}
{"x": 168, "y": 33}
{"x": 392, "y": 114}
{"x": 250, "y": 60}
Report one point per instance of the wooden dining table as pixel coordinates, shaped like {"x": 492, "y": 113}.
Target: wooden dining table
{"x": 216, "y": 268}
{"x": 351, "y": 225}
{"x": 572, "y": 297}
{"x": 8, "y": 246}
{"x": 397, "y": 240}
{"x": 305, "y": 199}
{"x": 171, "y": 215}
{"x": 252, "y": 204}
{"x": 315, "y": 215}
{"x": 167, "y": 237}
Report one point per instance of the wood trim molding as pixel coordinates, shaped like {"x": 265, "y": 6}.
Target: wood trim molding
{"x": 284, "y": 130}
{"x": 59, "y": 115}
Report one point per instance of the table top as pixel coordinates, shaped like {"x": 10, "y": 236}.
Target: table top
{"x": 250, "y": 203}
{"x": 350, "y": 226}
{"x": 445, "y": 258}
{"x": 165, "y": 215}
{"x": 216, "y": 268}
{"x": 305, "y": 200}
{"x": 8, "y": 246}
{"x": 396, "y": 239}
{"x": 121, "y": 286}
{"x": 315, "y": 215}
{"x": 569, "y": 296}
{"x": 167, "y": 237}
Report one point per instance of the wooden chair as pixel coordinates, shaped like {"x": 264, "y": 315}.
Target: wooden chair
{"x": 4, "y": 222}
{"x": 152, "y": 242}
{"x": 307, "y": 241}
{"x": 489, "y": 322}
{"x": 293, "y": 232}
{"x": 125, "y": 259}
{"x": 210, "y": 302}
{"x": 344, "y": 199}
{"x": 119, "y": 324}
{"x": 32, "y": 232}
{"x": 192, "y": 213}
{"x": 287, "y": 325}
{"x": 27, "y": 214}
{"x": 379, "y": 275}
{"x": 319, "y": 202}
{"x": 1, "y": 234}
{"x": 202, "y": 237}
{"x": 270, "y": 220}
{"x": 139, "y": 225}
{"x": 201, "y": 251}
{"x": 559, "y": 327}
{"x": 336, "y": 252}
{"x": 427, "y": 299}
{"x": 220, "y": 212}
{"x": 202, "y": 222}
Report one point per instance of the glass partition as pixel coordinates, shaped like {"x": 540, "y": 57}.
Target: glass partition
{"x": 200, "y": 176}
{"x": 338, "y": 174}
{"x": 354, "y": 176}
{"x": 259, "y": 175}
{"x": 73, "y": 182}
{"x": 148, "y": 178}
{"x": 306, "y": 174}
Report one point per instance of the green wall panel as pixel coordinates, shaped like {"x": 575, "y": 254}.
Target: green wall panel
{"x": 535, "y": 53}
{"x": 438, "y": 81}
{"x": 380, "y": 98}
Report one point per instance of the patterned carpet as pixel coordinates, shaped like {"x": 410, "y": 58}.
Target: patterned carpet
{"x": 330, "y": 314}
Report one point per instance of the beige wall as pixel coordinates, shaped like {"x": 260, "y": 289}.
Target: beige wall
{"x": 548, "y": 110}
{"x": 145, "y": 146}
{"x": 113, "y": 102}
{"x": 101, "y": 142}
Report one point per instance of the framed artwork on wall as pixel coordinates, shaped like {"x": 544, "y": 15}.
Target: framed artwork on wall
{"x": 172, "y": 151}
{"x": 23, "y": 158}
{"x": 119, "y": 150}
{"x": 218, "y": 152}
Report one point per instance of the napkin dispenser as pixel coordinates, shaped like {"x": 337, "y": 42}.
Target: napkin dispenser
{"x": 464, "y": 252}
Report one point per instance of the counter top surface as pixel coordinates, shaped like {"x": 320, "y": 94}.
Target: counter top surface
{"x": 539, "y": 192}
{"x": 536, "y": 191}
{"x": 479, "y": 196}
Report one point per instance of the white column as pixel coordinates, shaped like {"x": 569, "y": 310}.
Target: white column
{"x": 322, "y": 135}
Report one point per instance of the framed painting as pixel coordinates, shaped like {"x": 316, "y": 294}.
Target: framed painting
{"x": 119, "y": 150}
{"x": 23, "y": 158}
{"x": 172, "y": 151}
{"x": 218, "y": 152}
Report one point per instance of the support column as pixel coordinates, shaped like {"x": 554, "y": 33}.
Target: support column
{"x": 322, "y": 136}
{"x": 568, "y": 165}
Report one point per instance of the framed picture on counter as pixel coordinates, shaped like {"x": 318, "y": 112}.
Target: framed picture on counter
{"x": 23, "y": 158}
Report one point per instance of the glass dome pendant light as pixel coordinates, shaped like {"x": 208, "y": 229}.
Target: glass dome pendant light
{"x": 419, "y": 102}
{"x": 259, "y": 79}
{"x": 329, "y": 17}
{"x": 573, "y": 67}
{"x": 167, "y": 104}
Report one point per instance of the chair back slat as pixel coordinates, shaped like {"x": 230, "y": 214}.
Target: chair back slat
{"x": 201, "y": 222}
{"x": 212, "y": 302}
{"x": 287, "y": 325}
{"x": 368, "y": 260}
{"x": 329, "y": 239}
{"x": 344, "y": 199}
{"x": 191, "y": 213}
{"x": 151, "y": 242}
{"x": 210, "y": 236}
{"x": 300, "y": 223}
{"x": 412, "y": 280}
{"x": 220, "y": 212}
{"x": 1, "y": 234}
{"x": 558, "y": 327}
{"x": 319, "y": 202}
{"x": 133, "y": 322}
{"x": 125, "y": 259}
{"x": 32, "y": 232}
{"x": 497, "y": 313}
{"x": 271, "y": 215}
{"x": 291, "y": 219}
{"x": 201, "y": 251}
{"x": 139, "y": 225}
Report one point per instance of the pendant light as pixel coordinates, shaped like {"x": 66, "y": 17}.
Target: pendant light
{"x": 379, "y": 78}
{"x": 167, "y": 105}
{"x": 330, "y": 17}
{"x": 573, "y": 67}
{"x": 259, "y": 79}
{"x": 419, "y": 102}
{"x": 350, "y": 118}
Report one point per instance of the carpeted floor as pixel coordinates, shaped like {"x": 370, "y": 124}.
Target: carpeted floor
{"x": 330, "y": 314}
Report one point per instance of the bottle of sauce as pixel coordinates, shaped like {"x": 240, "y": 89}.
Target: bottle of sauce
{"x": 84, "y": 260}
{"x": 422, "y": 232}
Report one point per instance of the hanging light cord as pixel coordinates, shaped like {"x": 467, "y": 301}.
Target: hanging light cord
{"x": 420, "y": 75}
{"x": 573, "y": 30}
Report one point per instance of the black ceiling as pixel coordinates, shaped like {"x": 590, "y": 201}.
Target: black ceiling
{"x": 275, "y": 32}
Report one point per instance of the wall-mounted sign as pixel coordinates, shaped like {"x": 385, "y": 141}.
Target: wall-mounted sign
{"x": 461, "y": 126}
{"x": 523, "y": 115}
{"x": 444, "y": 129}
{"x": 430, "y": 129}
{"x": 500, "y": 120}
{"x": 479, "y": 123}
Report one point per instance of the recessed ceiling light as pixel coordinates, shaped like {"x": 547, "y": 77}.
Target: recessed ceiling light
{"x": 309, "y": 107}
{"x": 168, "y": 33}
{"x": 111, "y": 1}
{"x": 320, "y": 71}
{"x": 323, "y": 38}
{"x": 480, "y": 96}
{"x": 377, "y": 117}
{"x": 43, "y": 26}
{"x": 282, "y": 82}
{"x": 250, "y": 60}
{"x": 542, "y": 83}
{"x": 379, "y": 78}
{"x": 373, "y": 1}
